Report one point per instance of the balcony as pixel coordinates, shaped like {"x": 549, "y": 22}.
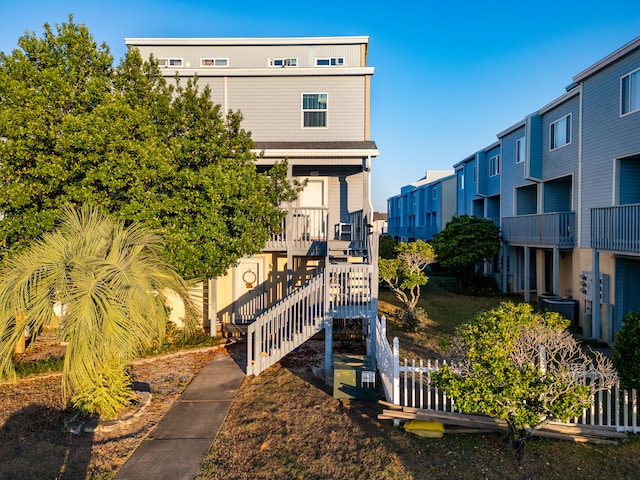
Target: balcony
{"x": 306, "y": 231}
{"x": 547, "y": 229}
{"x": 616, "y": 228}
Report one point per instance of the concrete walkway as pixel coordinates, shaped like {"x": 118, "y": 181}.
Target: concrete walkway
{"x": 176, "y": 447}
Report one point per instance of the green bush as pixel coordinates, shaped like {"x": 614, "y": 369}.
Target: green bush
{"x": 626, "y": 353}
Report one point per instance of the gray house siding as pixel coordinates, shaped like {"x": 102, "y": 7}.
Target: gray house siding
{"x": 607, "y": 136}
{"x": 272, "y": 107}
{"x": 563, "y": 160}
{"x": 255, "y": 57}
{"x": 513, "y": 173}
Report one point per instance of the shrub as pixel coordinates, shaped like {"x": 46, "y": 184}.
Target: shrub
{"x": 626, "y": 353}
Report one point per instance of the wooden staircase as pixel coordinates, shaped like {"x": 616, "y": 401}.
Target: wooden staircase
{"x": 343, "y": 290}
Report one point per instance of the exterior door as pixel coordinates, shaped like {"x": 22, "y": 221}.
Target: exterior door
{"x": 249, "y": 289}
{"x": 311, "y": 215}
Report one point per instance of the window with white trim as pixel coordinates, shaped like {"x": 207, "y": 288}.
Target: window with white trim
{"x": 283, "y": 62}
{"x": 521, "y": 145}
{"x": 214, "y": 62}
{"x": 330, "y": 62}
{"x": 170, "y": 62}
{"x": 630, "y": 93}
{"x": 434, "y": 192}
{"x": 560, "y": 132}
{"x": 314, "y": 110}
{"x": 461, "y": 177}
{"x": 494, "y": 165}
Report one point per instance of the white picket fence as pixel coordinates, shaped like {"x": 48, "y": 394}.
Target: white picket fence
{"x": 409, "y": 384}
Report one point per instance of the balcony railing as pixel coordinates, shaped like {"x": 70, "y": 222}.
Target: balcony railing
{"x": 616, "y": 228}
{"x": 420, "y": 232}
{"x": 300, "y": 229}
{"x": 555, "y": 229}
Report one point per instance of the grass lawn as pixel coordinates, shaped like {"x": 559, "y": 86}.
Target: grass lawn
{"x": 286, "y": 424}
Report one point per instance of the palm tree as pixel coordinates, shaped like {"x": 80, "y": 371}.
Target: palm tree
{"x": 110, "y": 280}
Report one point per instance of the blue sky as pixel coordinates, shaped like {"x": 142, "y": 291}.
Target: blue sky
{"x": 449, "y": 75}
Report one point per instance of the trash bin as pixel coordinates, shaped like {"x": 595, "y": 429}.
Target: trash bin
{"x": 354, "y": 377}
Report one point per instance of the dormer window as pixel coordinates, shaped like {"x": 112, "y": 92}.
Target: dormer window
{"x": 214, "y": 62}
{"x": 283, "y": 62}
{"x": 170, "y": 62}
{"x": 330, "y": 62}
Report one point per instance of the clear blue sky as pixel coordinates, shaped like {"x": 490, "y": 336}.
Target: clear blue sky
{"x": 448, "y": 75}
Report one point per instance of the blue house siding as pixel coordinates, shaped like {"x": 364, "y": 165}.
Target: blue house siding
{"x": 533, "y": 156}
{"x": 512, "y": 174}
{"x": 607, "y": 137}
{"x": 563, "y": 160}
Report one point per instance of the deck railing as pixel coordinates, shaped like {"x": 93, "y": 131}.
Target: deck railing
{"x": 300, "y": 229}
{"x": 542, "y": 229}
{"x": 341, "y": 291}
{"x": 616, "y": 228}
{"x": 285, "y": 326}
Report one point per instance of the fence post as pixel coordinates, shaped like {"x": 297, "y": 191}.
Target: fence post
{"x": 396, "y": 371}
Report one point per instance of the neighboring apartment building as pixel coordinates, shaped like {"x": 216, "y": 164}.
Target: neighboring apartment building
{"x": 608, "y": 218}
{"x": 478, "y": 184}
{"x": 306, "y": 100}
{"x": 423, "y": 208}
{"x": 565, "y": 184}
{"x": 540, "y": 161}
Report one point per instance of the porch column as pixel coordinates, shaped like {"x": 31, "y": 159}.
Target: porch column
{"x": 328, "y": 345}
{"x": 505, "y": 262}
{"x": 595, "y": 305}
{"x": 556, "y": 271}
{"x": 527, "y": 269}
{"x": 289, "y": 235}
{"x": 212, "y": 306}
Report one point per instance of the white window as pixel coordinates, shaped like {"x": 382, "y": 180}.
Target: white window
{"x": 434, "y": 192}
{"x": 283, "y": 62}
{"x": 630, "y": 93}
{"x": 494, "y": 165}
{"x": 170, "y": 62}
{"x": 314, "y": 110}
{"x": 521, "y": 145}
{"x": 461, "y": 177}
{"x": 560, "y": 133}
{"x": 330, "y": 62}
{"x": 214, "y": 62}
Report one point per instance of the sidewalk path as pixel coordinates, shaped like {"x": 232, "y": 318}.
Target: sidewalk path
{"x": 176, "y": 447}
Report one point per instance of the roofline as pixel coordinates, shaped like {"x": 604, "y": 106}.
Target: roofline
{"x": 266, "y": 72}
{"x": 317, "y": 152}
{"x": 561, "y": 99}
{"x": 512, "y": 128}
{"x": 247, "y": 41}
{"x": 608, "y": 60}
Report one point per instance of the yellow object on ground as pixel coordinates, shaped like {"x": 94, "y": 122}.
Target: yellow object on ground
{"x": 424, "y": 428}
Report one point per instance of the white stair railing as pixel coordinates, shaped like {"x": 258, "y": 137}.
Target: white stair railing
{"x": 285, "y": 326}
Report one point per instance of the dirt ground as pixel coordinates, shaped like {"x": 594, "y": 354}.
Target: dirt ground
{"x": 34, "y": 443}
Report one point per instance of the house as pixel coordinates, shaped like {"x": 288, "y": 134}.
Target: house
{"x": 540, "y": 161}
{"x": 306, "y": 100}
{"x": 608, "y": 218}
{"x": 478, "y": 184}
{"x": 380, "y": 223}
{"x": 571, "y": 196}
{"x": 422, "y": 208}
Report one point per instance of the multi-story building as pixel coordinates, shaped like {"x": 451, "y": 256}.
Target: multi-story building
{"x": 608, "y": 175}
{"x": 422, "y": 208}
{"x": 540, "y": 159}
{"x": 478, "y": 184}
{"x": 306, "y": 100}
{"x": 565, "y": 184}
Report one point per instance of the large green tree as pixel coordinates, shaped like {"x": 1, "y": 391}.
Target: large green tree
{"x": 111, "y": 282}
{"x": 75, "y": 128}
{"x": 465, "y": 242}
{"x": 523, "y": 367}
